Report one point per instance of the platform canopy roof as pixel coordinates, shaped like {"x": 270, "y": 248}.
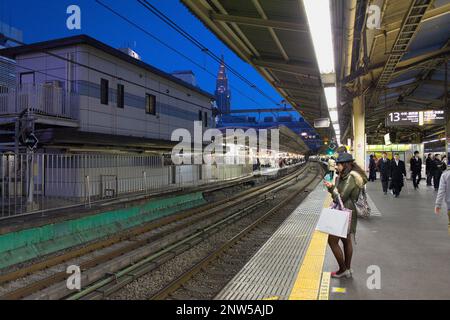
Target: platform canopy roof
{"x": 273, "y": 37}
{"x": 400, "y": 66}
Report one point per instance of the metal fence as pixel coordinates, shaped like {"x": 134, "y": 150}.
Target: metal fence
{"x": 48, "y": 99}
{"x": 31, "y": 183}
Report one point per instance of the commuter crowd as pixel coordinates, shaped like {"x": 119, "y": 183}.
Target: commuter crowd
{"x": 393, "y": 172}
{"x": 348, "y": 191}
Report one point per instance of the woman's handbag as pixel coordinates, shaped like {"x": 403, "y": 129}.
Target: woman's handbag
{"x": 362, "y": 205}
{"x": 335, "y": 220}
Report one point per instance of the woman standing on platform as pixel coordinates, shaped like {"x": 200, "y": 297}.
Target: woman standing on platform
{"x": 351, "y": 179}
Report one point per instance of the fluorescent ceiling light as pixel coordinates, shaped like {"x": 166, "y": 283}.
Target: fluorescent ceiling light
{"x": 319, "y": 20}
{"x": 330, "y": 96}
{"x": 333, "y": 116}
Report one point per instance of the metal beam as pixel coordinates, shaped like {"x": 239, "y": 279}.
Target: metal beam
{"x": 271, "y": 30}
{"x": 408, "y": 29}
{"x": 297, "y": 86}
{"x": 300, "y": 68}
{"x": 257, "y": 22}
{"x": 410, "y": 25}
{"x": 300, "y": 88}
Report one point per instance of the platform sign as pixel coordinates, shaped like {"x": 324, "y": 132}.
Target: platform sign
{"x": 387, "y": 139}
{"x": 434, "y": 117}
{"x": 322, "y": 123}
{"x": 416, "y": 118}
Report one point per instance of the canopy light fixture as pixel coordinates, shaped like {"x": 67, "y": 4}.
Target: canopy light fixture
{"x": 318, "y": 14}
{"x": 319, "y": 20}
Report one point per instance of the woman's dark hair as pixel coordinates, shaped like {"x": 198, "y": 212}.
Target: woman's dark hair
{"x": 349, "y": 166}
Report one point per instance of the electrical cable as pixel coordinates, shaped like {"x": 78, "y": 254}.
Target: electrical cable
{"x": 170, "y": 47}
{"x": 202, "y": 47}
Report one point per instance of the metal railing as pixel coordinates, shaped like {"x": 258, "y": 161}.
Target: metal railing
{"x": 46, "y": 99}
{"x": 31, "y": 183}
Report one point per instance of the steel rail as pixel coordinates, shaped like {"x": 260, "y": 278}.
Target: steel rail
{"x": 97, "y": 245}
{"x": 187, "y": 275}
{"x": 211, "y": 208}
{"x": 134, "y": 268}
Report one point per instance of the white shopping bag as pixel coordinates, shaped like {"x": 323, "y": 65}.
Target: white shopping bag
{"x": 334, "y": 222}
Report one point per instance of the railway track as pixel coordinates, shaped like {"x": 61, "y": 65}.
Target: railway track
{"x": 200, "y": 213}
{"x": 127, "y": 275}
{"x": 170, "y": 289}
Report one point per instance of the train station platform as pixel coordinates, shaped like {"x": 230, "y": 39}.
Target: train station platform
{"x": 402, "y": 252}
{"x": 409, "y": 244}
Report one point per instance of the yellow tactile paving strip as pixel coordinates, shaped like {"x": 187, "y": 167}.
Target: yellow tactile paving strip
{"x": 307, "y": 286}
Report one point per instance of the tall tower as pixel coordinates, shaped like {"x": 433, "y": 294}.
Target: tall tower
{"x": 223, "y": 93}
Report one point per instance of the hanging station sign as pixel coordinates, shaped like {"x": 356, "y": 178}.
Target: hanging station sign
{"x": 416, "y": 118}
{"x": 322, "y": 123}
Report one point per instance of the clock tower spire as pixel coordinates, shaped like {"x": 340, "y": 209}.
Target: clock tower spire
{"x": 223, "y": 93}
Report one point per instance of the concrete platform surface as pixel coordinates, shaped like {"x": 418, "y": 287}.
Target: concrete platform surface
{"x": 407, "y": 242}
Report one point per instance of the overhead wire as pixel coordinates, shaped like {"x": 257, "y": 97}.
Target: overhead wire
{"x": 154, "y": 37}
{"x": 202, "y": 47}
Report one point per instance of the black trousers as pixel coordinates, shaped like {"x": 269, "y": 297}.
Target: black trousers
{"x": 416, "y": 176}
{"x": 397, "y": 190}
{"x": 372, "y": 175}
{"x": 384, "y": 184}
{"x": 436, "y": 179}
{"x": 429, "y": 177}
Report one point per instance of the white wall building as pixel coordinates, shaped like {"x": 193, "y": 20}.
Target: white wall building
{"x": 82, "y": 83}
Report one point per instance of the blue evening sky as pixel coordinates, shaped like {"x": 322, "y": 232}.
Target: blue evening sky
{"x": 44, "y": 20}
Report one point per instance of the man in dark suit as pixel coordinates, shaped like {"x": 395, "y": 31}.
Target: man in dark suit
{"x": 428, "y": 164}
{"x": 397, "y": 172}
{"x": 416, "y": 169}
{"x": 437, "y": 167}
{"x": 384, "y": 166}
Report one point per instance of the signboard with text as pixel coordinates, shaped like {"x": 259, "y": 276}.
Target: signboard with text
{"x": 416, "y": 118}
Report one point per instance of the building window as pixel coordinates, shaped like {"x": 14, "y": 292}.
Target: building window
{"x": 206, "y": 119}
{"x": 27, "y": 79}
{"x": 150, "y": 104}
{"x": 104, "y": 87}
{"x": 200, "y": 115}
{"x": 120, "y": 95}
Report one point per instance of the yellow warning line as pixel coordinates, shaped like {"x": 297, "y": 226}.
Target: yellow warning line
{"x": 324, "y": 293}
{"x": 308, "y": 282}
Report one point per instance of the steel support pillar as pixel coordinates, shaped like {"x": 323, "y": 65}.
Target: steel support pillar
{"x": 359, "y": 131}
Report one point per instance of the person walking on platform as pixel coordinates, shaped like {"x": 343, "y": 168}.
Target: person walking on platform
{"x": 443, "y": 194}
{"x": 428, "y": 164}
{"x": 372, "y": 169}
{"x": 397, "y": 172}
{"x": 437, "y": 167}
{"x": 384, "y": 166}
{"x": 349, "y": 182}
{"x": 416, "y": 169}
